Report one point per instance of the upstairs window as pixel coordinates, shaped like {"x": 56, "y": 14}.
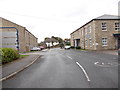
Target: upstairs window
{"x": 86, "y": 31}
{"x": 89, "y": 28}
{"x": 117, "y": 26}
{"x": 82, "y": 32}
{"x": 104, "y": 26}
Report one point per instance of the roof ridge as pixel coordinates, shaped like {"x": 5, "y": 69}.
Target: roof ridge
{"x": 107, "y": 16}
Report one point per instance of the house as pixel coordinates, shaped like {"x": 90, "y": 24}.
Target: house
{"x": 16, "y": 36}
{"x": 67, "y": 41}
{"x": 51, "y": 42}
{"x": 101, "y": 33}
{"x": 43, "y": 45}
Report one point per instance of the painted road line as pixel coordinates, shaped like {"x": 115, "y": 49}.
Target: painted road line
{"x": 45, "y": 50}
{"x": 96, "y": 63}
{"x": 102, "y": 63}
{"x": 69, "y": 57}
{"x": 88, "y": 79}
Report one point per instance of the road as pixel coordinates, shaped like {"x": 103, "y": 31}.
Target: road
{"x": 59, "y": 68}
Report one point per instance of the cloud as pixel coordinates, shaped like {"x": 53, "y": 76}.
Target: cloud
{"x": 55, "y": 17}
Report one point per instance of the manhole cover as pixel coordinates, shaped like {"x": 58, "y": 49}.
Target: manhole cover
{"x": 102, "y": 64}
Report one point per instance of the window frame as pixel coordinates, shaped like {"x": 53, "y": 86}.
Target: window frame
{"x": 104, "y": 41}
{"x": 117, "y": 27}
{"x": 90, "y": 29}
{"x": 86, "y": 43}
{"x": 90, "y": 42}
{"x": 104, "y": 26}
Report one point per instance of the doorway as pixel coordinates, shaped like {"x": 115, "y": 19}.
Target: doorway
{"x": 118, "y": 42}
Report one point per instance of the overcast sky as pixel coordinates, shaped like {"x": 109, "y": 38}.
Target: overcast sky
{"x": 46, "y": 18}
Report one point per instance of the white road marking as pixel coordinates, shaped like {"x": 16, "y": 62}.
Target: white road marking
{"x": 110, "y": 63}
{"x": 69, "y": 57}
{"x": 83, "y": 71}
{"x": 45, "y": 50}
{"x": 96, "y": 63}
{"x": 102, "y": 63}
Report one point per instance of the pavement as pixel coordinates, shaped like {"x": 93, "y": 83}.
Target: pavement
{"x": 13, "y": 68}
{"x": 112, "y": 52}
{"x": 59, "y": 68}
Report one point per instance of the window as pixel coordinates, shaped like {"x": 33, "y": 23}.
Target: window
{"x": 104, "y": 26}
{"x": 104, "y": 41}
{"x": 117, "y": 26}
{"x": 89, "y": 29}
{"x": 82, "y": 33}
{"x": 86, "y": 31}
{"x": 82, "y": 42}
{"x": 86, "y": 43}
{"x": 90, "y": 42}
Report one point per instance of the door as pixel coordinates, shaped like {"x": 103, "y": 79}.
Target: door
{"x": 119, "y": 42}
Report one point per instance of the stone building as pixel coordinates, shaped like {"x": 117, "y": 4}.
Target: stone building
{"x": 100, "y": 33}
{"x": 16, "y": 36}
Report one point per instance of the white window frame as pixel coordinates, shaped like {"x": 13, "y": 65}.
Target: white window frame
{"x": 82, "y": 32}
{"x": 90, "y": 42}
{"x": 104, "y": 26}
{"x": 104, "y": 41}
{"x": 90, "y": 28}
{"x": 117, "y": 27}
{"x": 85, "y": 31}
{"x": 86, "y": 43}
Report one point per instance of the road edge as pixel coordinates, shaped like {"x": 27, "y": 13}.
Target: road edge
{"x": 19, "y": 70}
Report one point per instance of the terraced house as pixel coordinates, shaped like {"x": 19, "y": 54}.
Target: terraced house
{"x": 100, "y": 33}
{"x": 16, "y": 36}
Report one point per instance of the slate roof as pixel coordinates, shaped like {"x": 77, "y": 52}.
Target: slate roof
{"x": 106, "y": 16}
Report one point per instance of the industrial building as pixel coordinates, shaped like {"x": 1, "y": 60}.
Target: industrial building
{"x": 16, "y": 36}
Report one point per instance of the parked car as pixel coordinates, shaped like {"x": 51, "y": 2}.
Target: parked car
{"x": 35, "y": 49}
{"x": 67, "y": 47}
{"x": 41, "y": 47}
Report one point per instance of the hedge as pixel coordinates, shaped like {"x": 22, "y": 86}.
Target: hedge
{"x": 78, "y": 47}
{"x": 8, "y": 55}
{"x": 72, "y": 47}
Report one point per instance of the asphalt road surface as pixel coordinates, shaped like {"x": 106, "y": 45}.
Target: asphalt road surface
{"x": 59, "y": 68}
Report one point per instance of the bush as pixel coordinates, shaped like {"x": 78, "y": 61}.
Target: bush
{"x": 8, "y": 55}
{"x": 78, "y": 47}
{"x": 72, "y": 47}
{"x": 68, "y": 44}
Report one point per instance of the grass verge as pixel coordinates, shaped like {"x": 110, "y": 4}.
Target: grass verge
{"x": 23, "y": 56}
{"x": 83, "y": 49}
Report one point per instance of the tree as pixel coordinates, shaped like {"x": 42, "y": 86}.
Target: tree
{"x": 67, "y": 41}
{"x": 58, "y": 38}
{"x": 46, "y": 38}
